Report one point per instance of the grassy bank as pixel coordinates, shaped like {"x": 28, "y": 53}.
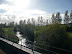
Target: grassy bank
{"x": 10, "y": 35}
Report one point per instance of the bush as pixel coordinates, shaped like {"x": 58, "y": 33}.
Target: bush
{"x": 54, "y": 35}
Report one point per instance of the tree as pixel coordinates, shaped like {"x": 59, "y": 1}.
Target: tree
{"x": 2, "y": 34}
{"x": 71, "y": 16}
{"x": 5, "y": 25}
{"x": 27, "y": 30}
{"x": 21, "y": 22}
{"x": 41, "y": 20}
{"x": 53, "y": 19}
{"x": 24, "y": 22}
{"x": 66, "y": 18}
{"x": 33, "y": 21}
{"x": 46, "y": 21}
{"x": 28, "y": 21}
{"x": 11, "y": 24}
{"x": 54, "y": 35}
{"x": 58, "y": 18}
{"x": 16, "y": 24}
{"x": 15, "y": 29}
{"x": 21, "y": 26}
{"x": 38, "y": 21}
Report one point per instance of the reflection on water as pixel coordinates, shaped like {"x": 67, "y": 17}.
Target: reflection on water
{"x": 21, "y": 39}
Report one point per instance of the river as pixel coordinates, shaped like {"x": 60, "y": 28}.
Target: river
{"x": 21, "y": 39}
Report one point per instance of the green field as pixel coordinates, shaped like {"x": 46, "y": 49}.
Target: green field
{"x": 10, "y": 35}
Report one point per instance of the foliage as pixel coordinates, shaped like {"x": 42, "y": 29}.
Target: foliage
{"x": 71, "y": 16}
{"x": 54, "y": 35}
{"x": 1, "y": 32}
{"x": 58, "y": 18}
{"x": 66, "y": 18}
{"x": 15, "y": 29}
{"x": 27, "y": 31}
{"x": 9, "y": 34}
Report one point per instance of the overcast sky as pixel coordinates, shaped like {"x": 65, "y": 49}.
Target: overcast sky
{"x": 15, "y": 10}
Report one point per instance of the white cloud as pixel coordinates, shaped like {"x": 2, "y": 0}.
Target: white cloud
{"x": 19, "y": 13}
{"x": 27, "y": 13}
{"x": 10, "y": 0}
{"x": 20, "y": 8}
{"x": 4, "y": 6}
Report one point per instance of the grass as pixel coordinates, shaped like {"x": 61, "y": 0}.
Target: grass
{"x": 10, "y": 35}
{"x": 69, "y": 34}
{"x": 9, "y": 29}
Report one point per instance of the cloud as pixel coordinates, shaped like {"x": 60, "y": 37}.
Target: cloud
{"x": 34, "y": 12}
{"x": 4, "y": 2}
{"x": 2, "y": 11}
{"x": 4, "y": 6}
{"x": 9, "y": 10}
{"x": 19, "y": 10}
{"x": 3, "y": 19}
{"x": 58, "y": 10}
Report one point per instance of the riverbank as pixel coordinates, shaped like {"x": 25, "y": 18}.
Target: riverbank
{"x": 10, "y": 35}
